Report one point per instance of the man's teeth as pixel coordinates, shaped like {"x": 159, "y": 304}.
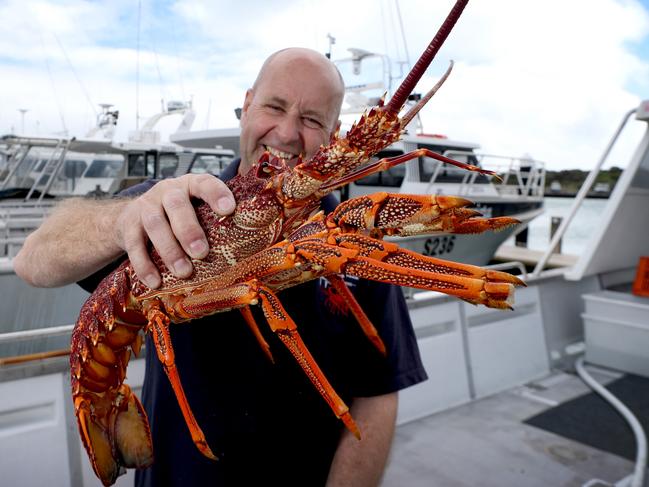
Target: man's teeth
{"x": 279, "y": 153}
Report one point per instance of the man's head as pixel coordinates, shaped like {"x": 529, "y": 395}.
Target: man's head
{"x": 292, "y": 108}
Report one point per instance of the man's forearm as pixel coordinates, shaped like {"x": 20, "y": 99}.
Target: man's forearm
{"x": 77, "y": 239}
{"x": 361, "y": 463}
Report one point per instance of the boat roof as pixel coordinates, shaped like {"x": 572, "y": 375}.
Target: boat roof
{"x": 229, "y": 138}
{"x": 90, "y": 145}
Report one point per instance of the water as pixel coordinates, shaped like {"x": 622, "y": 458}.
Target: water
{"x": 580, "y": 230}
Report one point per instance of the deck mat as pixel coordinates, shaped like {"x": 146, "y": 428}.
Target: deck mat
{"x": 591, "y": 420}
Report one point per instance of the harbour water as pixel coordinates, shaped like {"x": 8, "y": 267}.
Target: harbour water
{"x": 580, "y": 230}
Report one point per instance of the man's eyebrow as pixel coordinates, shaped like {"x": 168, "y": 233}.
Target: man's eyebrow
{"x": 314, "y": 113}
{"x": 277, "y": 100}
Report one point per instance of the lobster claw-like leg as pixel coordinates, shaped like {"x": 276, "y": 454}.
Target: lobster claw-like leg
{"x": 114, "y": 431}
{"x": 381, "y": 263}
{"x": 411, "y": 214}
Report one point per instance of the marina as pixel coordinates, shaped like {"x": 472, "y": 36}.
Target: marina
{"x": 553, "y": 392}
{"x": 492, "y": 374}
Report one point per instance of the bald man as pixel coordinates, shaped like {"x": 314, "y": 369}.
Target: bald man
{"x": 265, "y": 422}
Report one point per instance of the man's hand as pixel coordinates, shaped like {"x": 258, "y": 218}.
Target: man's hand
{"x": 82, "y": 236}
{"x": 165, "y": 215}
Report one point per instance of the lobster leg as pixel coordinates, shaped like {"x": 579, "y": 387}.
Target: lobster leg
{"x": 408, "y": 214}
{"x": 388, "y": 162}
{"x": 244, "y": 294}
{"x": 493, "y": 293}
{"x": 254, "y": 328}
{"x": 285, "y": 328}
{"x": 159, "y": 328}
{"x": 368, "y": 328}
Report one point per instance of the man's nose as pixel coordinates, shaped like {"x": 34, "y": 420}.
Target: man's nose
{"x": 288, "y": 129}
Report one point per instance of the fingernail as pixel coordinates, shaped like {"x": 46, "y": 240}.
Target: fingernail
{"x": 198, "y": 248}
{"x": 152, "y": 281}
{"x": 182, "y": 267}
{"x": 225, "y": 205}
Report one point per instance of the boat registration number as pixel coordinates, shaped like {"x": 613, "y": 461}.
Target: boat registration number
{"x": 439, "y": 245}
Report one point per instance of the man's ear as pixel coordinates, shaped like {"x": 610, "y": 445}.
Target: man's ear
{"x": 247, "y": 101}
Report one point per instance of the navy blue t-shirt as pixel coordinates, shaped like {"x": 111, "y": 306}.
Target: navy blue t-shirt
{"x": 266, "y": 422}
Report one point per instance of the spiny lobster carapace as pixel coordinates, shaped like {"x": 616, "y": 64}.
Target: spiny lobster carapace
{"x": 271, "y": 242}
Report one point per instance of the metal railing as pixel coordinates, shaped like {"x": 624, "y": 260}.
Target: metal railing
{"x": 581, "y": 196}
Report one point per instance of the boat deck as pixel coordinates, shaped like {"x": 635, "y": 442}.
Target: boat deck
{"x": 486, "y": 443}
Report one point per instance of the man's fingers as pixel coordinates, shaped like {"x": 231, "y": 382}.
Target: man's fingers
{"x": 134, "y": 245}
{"x": 158, "y": 229}
{"x": 213, "y": 191}
{"x": 184, "y": 223}
{"x": 165, "y": 216}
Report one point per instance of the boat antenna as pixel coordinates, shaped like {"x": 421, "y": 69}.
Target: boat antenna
{"x": 137, "y": 69}
{"x": 332, "y": 41}
{"x": 49, "y": 74}
{"x": 403, "y": 32}
{"x": 74, "y": 72}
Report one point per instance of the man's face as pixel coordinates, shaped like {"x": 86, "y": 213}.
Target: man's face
{"x": 292, "y": 110}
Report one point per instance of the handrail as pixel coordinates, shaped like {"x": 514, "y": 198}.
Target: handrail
{"x": 581, "y": 195}
{"x": 35, "y": 333}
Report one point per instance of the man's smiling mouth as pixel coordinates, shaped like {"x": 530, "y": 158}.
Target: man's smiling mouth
{"x": 278, "y": 153}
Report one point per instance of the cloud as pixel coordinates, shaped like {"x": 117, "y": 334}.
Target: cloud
{"x": 547, "y": 78}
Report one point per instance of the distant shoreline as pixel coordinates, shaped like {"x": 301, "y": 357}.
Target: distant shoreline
{"x": 564, "y": 194}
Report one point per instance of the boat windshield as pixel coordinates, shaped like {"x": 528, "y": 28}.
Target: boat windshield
{"x": 105, "y": 168}
{"x": 210, "y": 163}
{"x": 392, "y": 177}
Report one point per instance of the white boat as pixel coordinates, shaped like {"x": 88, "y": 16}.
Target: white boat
{"x": 489, "y": 372}
{"x": 38, "y": 171}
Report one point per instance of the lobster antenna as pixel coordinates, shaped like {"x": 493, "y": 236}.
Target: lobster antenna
{"x": 405, "y": 120}
{"x": 418, "y": 70}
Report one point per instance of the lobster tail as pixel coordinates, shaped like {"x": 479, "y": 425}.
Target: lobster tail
{"x": 113, "y": 425}
{"x": 408, "y": 85}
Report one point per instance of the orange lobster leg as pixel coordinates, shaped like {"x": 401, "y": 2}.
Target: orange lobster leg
{"x": 251, "y": 292}
{"x": 411, "y": 214}
{"x": 285, "y": 328}
{"x": 159, "y": 328}
{"x": 254, "y": 328}
{"x": 391, "y": 253}
{"x": 338, "y": 283}
{"x": 495, "y": 294}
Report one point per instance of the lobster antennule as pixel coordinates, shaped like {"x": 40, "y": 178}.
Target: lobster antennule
{"x": 405, "y": 120}
{"x": 401, "y": 94}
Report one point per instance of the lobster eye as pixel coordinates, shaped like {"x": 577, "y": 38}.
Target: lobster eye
{"x": 269, "y": 166}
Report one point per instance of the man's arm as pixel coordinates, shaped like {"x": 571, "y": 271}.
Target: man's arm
{"x": 82, "y": 236}
{"x": 361, "y": 463}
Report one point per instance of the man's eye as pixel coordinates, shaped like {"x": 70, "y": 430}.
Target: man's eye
{"x": 312, "y": 123}
{"x": 275, "y": 108}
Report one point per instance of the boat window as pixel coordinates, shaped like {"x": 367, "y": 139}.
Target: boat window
{"x": 447, "y": 173}
{"x": 41, "y": 164}
{"x": 104, "y": 168}
{"x": 210, "y": 163}
{"x": 392, "y": 177}
{"x": 73, "y": 168}
{"x": 168, "y": 165}
{"x": 139, "y": 166}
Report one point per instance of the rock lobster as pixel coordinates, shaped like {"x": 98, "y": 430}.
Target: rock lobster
{"x": 273, "y": 241}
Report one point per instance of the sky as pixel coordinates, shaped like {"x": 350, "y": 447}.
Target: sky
{"x": 551, "y": 79}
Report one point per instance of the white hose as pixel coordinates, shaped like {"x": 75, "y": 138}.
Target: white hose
{"x": 640, "y": 436}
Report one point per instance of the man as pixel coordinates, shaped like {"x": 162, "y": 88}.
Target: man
{"x": 264, "y": 421}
